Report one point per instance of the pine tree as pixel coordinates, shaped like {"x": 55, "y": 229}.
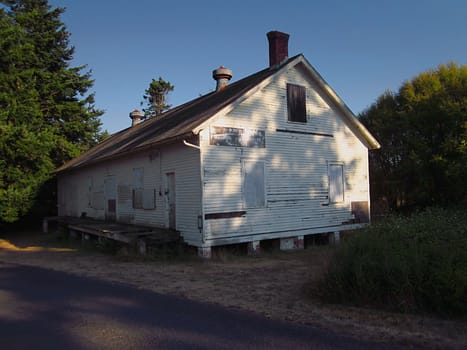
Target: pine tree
{"x": 46, "y": 115}
{"x": 156, "y": 96}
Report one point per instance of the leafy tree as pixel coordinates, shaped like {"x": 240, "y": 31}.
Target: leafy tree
{"x": 46, "y": 115}
{"x": 156, "y": 97}
{"x": 423, "y": 132}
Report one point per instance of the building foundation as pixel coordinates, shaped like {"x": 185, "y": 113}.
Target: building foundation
{"x": 205, "y": 252}
{"x": 254, "y": 248}
{"x": 292, "y": 243}
{"x": 334, "y": 237}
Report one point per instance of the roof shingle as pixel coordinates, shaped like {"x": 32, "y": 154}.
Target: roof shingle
{"x": 176, "y": 123}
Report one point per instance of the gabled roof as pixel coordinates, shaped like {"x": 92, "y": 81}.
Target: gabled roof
{"x": 184, "y": 121}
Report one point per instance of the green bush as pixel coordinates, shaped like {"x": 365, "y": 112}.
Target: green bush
{"x": 409, "y": 264}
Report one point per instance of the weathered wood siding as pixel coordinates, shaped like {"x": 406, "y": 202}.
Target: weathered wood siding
{"x": 296, "y": 158}
{"x": 291, "y": 164}
{"x": 82, "y": 191}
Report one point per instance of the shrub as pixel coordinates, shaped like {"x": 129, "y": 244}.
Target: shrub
{"x": 409, "y": 264}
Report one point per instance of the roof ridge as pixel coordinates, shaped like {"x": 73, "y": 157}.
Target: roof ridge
{"x": 180, "y": 120}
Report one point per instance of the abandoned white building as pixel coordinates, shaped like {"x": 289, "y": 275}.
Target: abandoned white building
{"x": 275, "y": 155}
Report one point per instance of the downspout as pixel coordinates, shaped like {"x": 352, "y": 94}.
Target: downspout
{"x": 191, "y": 145}
{"x": 201, "y": 175}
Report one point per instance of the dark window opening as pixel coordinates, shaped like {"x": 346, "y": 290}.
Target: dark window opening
{"x": 296, "y": 103}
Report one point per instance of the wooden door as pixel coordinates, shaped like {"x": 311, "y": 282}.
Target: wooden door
{"x": 171, "y": 200}
{"x": 110, "y": 194}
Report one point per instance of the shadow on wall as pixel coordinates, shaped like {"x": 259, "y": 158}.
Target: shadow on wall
{"x": 296, "y": 178}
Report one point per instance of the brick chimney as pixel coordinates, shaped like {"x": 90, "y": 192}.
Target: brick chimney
{"x": 278, "y": 47}
{"x": 136, "y": 117}
{"x": 222, "y": 75}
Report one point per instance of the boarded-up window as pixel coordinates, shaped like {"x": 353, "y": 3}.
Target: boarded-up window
{"x": 98, "y": 200}
{"x": 124, "y": 193}
{"x": 336, "y": 183}
{"x": 296, "y": 103}
{"x": 254, "y": 192}
{"x": 149, "y": 198}
{"x": 224, "y": 136}
{"x": 138, "y": 184}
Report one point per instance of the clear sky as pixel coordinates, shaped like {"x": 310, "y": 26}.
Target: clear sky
{"x": 360, "y": 47}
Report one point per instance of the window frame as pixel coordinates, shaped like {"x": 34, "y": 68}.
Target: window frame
{"x": 246, "y": 203}
{"x": 296, "y": 103}
{"x": 332, "y": 194}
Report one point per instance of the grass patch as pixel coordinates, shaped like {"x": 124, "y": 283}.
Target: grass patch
{"x": 408, "y": 264}
{"x": 174, "y": 252}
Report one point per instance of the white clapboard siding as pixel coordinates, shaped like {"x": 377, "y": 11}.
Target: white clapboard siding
{"x": 184, "y": 161}
{"x": 296, "y": 166}
{"x": 76, "y": 189}
{"x": 210, "y": 203}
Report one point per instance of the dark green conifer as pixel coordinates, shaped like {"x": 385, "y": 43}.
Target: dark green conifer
{"x": 47, "y": 115}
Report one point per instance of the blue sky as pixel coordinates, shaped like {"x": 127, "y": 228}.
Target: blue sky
{"x": 361, "y": 47}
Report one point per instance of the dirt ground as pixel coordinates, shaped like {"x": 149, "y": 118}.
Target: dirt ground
{"x": 273, "y": 284}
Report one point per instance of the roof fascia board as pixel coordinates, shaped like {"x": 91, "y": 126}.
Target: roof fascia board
{"x": 370, "y": 141}
{"x": 153, "y": 145}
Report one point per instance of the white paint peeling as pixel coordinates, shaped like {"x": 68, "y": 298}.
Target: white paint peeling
{"x": 210, "y": 180}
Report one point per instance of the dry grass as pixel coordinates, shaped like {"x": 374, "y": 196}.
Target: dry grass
{"x": 274, "y": 285}
{"x": 10, "y": 247}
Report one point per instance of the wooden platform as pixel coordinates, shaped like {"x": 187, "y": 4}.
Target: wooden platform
{"x": 126, "y": 233}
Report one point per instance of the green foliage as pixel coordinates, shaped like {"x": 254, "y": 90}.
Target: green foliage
{"x": 156, "y": 96}
{"x": 46, "y": 115}
{"x": 423, "y": 132}
{"x": 414, "y": 264}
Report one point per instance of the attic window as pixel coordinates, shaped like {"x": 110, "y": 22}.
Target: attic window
{"x": 296, "y": 107}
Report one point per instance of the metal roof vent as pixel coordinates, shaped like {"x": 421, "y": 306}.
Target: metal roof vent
{"x": 136, "y": 117}
{"x": 222, "y": 75}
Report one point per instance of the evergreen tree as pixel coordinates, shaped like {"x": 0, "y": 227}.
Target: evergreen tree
{"x": 423, "y": 132}
{"x": 156, "y": 96}
{"x": 46, "y": 115}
